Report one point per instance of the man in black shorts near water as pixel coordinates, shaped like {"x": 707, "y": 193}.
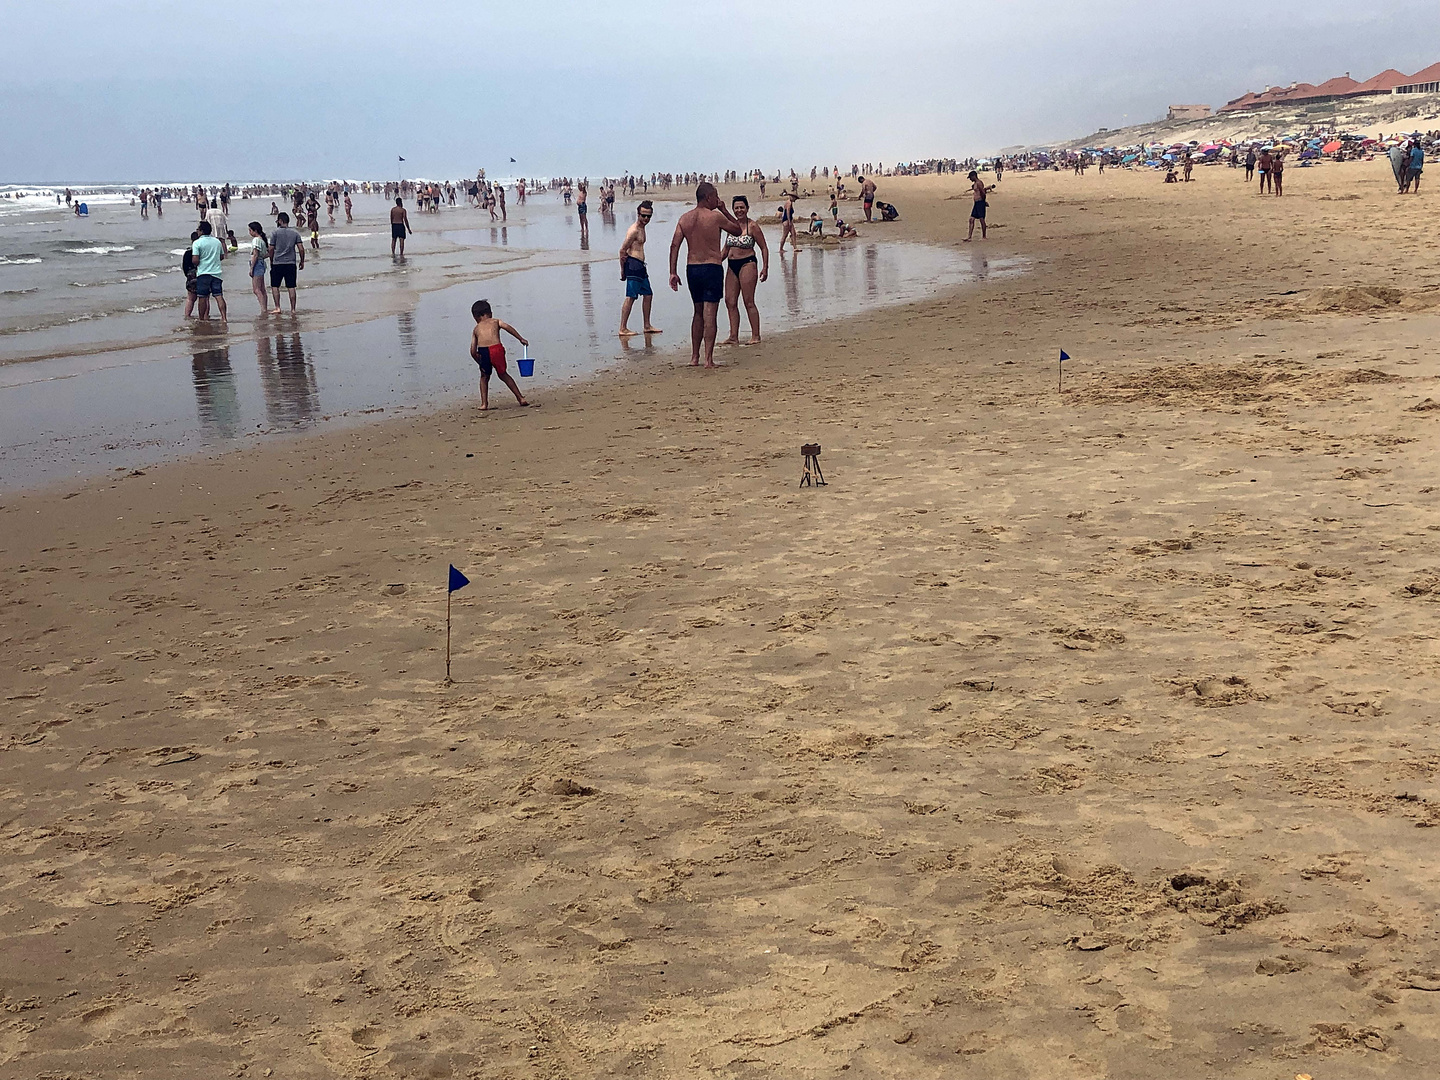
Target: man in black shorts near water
{"x": 700, "y": 229}
{"x": 977, "y": 212}
{"x": 399, "y": 226}
{"x": 286, "y": 245}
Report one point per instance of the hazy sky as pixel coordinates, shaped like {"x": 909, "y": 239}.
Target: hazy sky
{"x": 157, "y": 89}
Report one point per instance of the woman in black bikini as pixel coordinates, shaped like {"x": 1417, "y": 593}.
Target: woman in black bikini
{"x": 743, "y": 272}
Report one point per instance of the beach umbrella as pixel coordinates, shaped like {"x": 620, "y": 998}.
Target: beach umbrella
{"x": 1331, "y": 147}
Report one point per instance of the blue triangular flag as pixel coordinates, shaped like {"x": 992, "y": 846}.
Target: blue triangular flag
{"x": 457, "y": 580}
{"x": 402, "y": 159}
{"x": 1064, "y": 356}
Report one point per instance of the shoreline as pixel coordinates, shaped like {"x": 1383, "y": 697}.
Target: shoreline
{"x": 359, "y": 335}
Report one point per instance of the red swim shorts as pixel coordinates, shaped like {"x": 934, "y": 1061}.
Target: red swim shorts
{"x": 492, "y": 357}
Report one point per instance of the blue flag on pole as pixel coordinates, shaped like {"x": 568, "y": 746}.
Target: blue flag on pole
{"x": 457, "y": 580}
{"x": 1064, "y": 356}
{"x": 402, "y": 159}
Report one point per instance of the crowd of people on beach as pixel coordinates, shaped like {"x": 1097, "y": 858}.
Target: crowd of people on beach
{"x": 727, "y": 251}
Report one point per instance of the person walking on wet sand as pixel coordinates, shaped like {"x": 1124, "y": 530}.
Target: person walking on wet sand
{"x": 487, "y": 351}
{"x": 399, "y": 226}
{"x": 867, "y": 195}
{"x": 634, "y": 273}
{"x": 787, "y": 225}
{"x": 699, "y": 229}
{"x": 208, "y": 252}
{"x": 977, "y": 212}
{"x": 582, "y": 207}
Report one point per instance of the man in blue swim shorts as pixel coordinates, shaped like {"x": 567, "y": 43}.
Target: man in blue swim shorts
{"x": 700, "y": 230}
{"x": 634, "y": 272}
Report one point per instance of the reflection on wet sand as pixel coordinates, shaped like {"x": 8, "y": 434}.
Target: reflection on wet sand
{"x": 409, "y": 337}
{"x": 111, "y": 416}
{"x": 646, "y": 347}
{"x": 216, "y": 395}
{"x": 587, "y": 303}
{"x": 790, "y": 273}
{"x": 287, "y": 381}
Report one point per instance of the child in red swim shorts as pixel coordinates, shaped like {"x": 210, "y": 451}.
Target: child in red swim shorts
{"x": 486, "y": 350}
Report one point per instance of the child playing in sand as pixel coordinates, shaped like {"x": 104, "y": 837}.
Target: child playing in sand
{"x": 486, "y": 350}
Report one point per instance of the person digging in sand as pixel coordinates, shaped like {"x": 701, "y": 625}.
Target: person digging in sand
{"x": 487, "y": 351}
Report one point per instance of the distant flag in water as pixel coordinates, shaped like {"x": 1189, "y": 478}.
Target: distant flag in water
{"x": 512, "y": 161}
{"x": 457, "y": 580}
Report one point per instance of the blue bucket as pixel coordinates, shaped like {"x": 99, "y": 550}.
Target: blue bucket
{"x": 526, "y": 364}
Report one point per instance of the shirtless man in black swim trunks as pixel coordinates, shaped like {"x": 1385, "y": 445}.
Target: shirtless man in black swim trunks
{"x": 700, "y": 230}
{"x": 582, "y": 208}
{"x": 977, "y": 213}
{"x": 399, "y": 226}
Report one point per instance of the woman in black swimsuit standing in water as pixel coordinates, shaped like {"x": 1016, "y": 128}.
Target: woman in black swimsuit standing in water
{"x": 742, "y": 272}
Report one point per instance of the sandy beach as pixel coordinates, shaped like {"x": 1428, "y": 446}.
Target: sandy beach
{"x": 1081, "y": 734}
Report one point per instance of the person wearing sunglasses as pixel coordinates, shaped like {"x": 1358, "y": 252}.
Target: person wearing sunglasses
{"x": 634, "y": 273}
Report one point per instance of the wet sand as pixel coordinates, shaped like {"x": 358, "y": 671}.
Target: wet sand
{"x": 1077, "y": 735}
{"x": 212, "y": 388}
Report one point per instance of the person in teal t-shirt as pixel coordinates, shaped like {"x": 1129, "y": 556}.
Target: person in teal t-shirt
{"x": 208, "y": 252}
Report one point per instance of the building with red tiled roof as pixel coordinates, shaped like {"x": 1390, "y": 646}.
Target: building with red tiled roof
{"x": 1384, "y": 83}
{"x": 1389, "y": 81}
{"x": 1338, "y": 86}
{"x": 1426, "y": 81}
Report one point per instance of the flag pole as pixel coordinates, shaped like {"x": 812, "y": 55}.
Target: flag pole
{"x": 447, "y": 634}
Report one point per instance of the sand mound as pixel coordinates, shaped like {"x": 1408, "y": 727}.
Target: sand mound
{"x": 1352, "y": 298}
{"x": 1216, "y": 385}
{"x": 1361, "y": 300}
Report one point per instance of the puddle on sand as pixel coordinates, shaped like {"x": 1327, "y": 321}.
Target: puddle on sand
{"x": 135, "y": 407}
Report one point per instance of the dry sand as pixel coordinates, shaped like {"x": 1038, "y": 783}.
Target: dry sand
{"x": 1059, "y": 736}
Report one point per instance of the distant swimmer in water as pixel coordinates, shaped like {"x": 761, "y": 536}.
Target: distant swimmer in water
{"x": 399, "y": 226}
{"x": 699, "y": 229}
{"x": 487, "y": 351}
{"x": 977, "y": 213}
{"x": 634, "y": 272}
